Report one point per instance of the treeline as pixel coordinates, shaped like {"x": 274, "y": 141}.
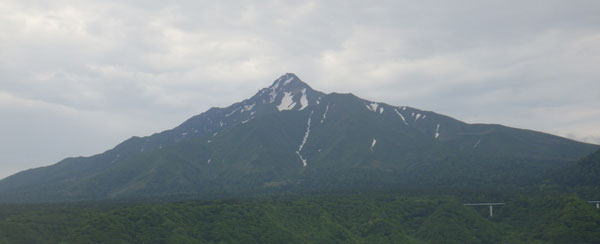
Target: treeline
{"x": 364, "y": 218}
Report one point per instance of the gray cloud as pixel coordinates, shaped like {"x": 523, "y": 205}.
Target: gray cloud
{"x": 77, "y": 77}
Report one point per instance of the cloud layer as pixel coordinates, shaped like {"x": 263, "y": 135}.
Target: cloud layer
{"x": 77, "y": 77}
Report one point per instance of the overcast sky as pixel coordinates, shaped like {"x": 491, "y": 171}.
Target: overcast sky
{"x": 78, "y": 77}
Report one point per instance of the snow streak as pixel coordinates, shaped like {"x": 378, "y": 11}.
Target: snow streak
{"x": 402, "y": 117}
{"x": 477, "y": 144}
{"x": 304, "y": 140}
{"x": 246, "y": 121}
{"x": 232, "y": 112}
{"x": 373, "y": 144}
{"x": 325, "y": 114}
{"x": 437, "y": 131}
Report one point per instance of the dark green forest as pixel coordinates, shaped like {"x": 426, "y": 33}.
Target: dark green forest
{"x": 353, "y": 218}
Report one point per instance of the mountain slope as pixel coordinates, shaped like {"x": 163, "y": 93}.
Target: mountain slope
{"x": 582, "y": 177}
{"x": 289, "y": 137}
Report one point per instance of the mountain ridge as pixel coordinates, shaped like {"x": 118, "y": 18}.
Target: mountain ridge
{"x": 288, "y": 137}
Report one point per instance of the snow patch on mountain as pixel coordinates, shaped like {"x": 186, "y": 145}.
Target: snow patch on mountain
{"x": 232, "y": 112}
{"x": 477, "y": 144}
{"x": 373, "y": 144}
{"x": 248, "y": 107}
{"x": 287, "y": 102}
{"x": 304, "y": 139}
{"x": 272, "y": 95}
{"x": 372, "y": 106}
{"x": 276, "y": 85}
{"x": 288, "y": 81}
{"x": 437, "y": 131}
{"x": 246, "y": 121}
{"x": 325, "y": 114}
{"x": 401, "y": 117}
{"x": 303, "y": 100}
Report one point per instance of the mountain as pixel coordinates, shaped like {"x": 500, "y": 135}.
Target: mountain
{"x": 289, "y": 137}
{"x": 583, "y": 174}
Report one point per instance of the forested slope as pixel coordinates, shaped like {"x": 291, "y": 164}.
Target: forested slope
{"x": 375, "y": 218}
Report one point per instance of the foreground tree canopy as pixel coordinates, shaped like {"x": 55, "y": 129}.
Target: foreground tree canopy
{"x": 375, "y": 218}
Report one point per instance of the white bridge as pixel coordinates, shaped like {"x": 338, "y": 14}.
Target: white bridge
{"x": 489, "y": 204}
{"x": 492, "y": 204}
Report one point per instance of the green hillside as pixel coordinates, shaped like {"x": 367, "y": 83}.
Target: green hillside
{"x": 368, "y": 218}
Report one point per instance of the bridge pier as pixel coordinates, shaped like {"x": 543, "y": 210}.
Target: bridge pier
{"x": 489, "y": 204}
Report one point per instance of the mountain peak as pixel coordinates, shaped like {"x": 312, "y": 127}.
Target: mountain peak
{"x": 288, "y": 92}
{"x": 287, "y": 81}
